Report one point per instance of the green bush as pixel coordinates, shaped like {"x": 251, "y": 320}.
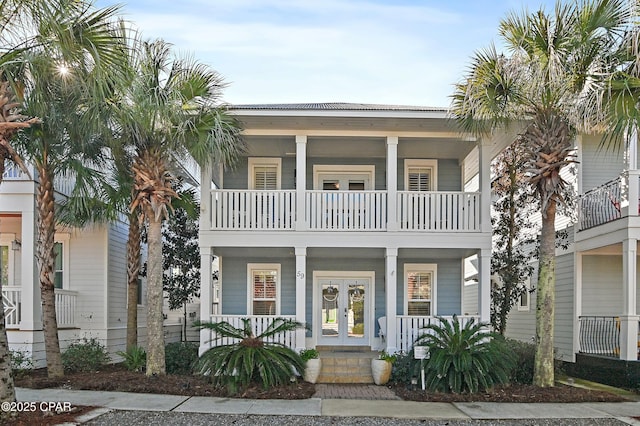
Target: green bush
{"x": 405, "y": 368}
{"x": 525, "y": 354}
{"x": 135, "y": 358}
{"x": 85, "y": 355}
{"x": 251, "y": 358}
{"x": 180, "y": 357}
{"x": 21, "y": 362}
{"x": 464, "y": 358}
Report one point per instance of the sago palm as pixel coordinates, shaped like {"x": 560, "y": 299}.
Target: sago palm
{"x": 553, "y": 62}
{"x": 464, "y": 357}
{"x": 252, "y": 358}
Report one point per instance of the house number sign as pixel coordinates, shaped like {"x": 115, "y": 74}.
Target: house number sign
{"x": 300, "y": 274}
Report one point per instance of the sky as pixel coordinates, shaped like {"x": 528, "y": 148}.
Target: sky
{"x": 402, "y": 52}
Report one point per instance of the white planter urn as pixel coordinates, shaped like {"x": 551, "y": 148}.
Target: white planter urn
{"x": 312, "y": 370}
{"x": 381, "y": 371}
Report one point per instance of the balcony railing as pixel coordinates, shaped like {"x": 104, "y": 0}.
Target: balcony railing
{"x": 65, "y": 301}
{"x": 259, "y": 323}
{"x": 345, "y": 211}
{"x": 601, "y": 205}
{"x": 409, "y": 327}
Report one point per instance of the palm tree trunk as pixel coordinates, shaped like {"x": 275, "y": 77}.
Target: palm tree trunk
{"x": 7, "y": 390}
{"x": 543, "y": 375}
{"x": 155, "y": 332}
{"x": 45, "y": 258}
{"x": 133, "y": 270}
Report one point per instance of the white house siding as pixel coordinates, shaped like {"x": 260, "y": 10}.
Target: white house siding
{"x": 602, "y": 285}
{"x": 117, "y": 275}
{"x": 598, "y": 165}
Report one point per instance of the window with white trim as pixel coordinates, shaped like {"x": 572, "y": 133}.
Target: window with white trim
{"x": 523, "y": 301}
{"x": 264, "y": 289}
{"x": 265, "y": 173}
{"x": 4, "y": 265}
{"x": 420, "y": 287}
{"x": 58, "y": 265}
{"x": 420, "y": 175}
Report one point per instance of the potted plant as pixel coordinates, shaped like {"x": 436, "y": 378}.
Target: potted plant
{"x": 381, "y": 367}
{"x": 313, "y": 365}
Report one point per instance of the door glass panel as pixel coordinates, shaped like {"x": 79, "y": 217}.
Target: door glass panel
{"x": 330, "y": 311}
{"x": 330, "y": 185}
{"x": 356, "y": 185}
{"x": 355, "y": 311}
{"x": 4, "y": 265}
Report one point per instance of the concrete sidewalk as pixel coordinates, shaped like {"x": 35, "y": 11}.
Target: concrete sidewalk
{"x": 623, "y": 411}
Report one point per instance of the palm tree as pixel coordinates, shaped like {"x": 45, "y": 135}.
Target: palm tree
{"x": 170, "y": 111}
{"x": 554, "y": 61}
{"x": 74, "y": 58}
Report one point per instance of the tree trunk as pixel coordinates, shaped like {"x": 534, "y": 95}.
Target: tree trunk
{"x": 7, "y": 390}
{"x": 543, "y": 375}
{"x": 133, "y": 271}
{"x": 155, "y": 332}
{"x": 45, "y": 258}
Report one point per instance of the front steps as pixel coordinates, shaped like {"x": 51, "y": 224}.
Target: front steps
{"x": 346, "y": 364}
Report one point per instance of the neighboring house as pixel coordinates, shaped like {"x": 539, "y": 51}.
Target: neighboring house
{"x": 597, "y": 281}
{"x": 90, "y": 275}
{"x": 354, "y": 219}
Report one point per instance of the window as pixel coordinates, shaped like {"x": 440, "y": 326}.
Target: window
{"x": 58, "y": 266}
{"x": 523, "y": 302}
{"x": 264, "y": 289}
{"x": 420, "y": 175}
{"x": 4, "y": 265}
{"x": 420, "y": 288}
{"x": 264, "y": 173}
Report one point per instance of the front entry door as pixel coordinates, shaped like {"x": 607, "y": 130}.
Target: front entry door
{"x": 344, "y": 311}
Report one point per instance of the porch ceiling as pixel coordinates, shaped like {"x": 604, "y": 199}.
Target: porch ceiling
{"x": 436, "y": 253}
{"x": 613, "y": 249}
{"x": 344, "y": 252}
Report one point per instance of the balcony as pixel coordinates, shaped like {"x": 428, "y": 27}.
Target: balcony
{"x": 345, "y": 211}
{"x": 65, "y": 307}
{"x": 610, "y": 201}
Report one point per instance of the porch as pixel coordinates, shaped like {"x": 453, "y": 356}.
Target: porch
{"x": 65, "y": 301}
{"x": 279, "y": 210}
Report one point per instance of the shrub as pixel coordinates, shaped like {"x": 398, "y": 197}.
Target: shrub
{"x": 135, "y": 358}
{"x": 251, "y": 358}
{"x": 180, "y": 357}
{"x": 464, "y": 358}
{"x": 525, "y": 354}
{"x": 307, "y": 354}
{"x": 405, "y": 368}
{"x": 85, "y": 355}
{"x": 21, "y": 362}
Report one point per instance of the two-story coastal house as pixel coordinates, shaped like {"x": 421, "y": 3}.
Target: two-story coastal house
{"x": 354, "y": 219}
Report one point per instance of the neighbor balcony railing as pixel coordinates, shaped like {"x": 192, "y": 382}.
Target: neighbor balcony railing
{"x": 259, "y": 323}
{"x": 345, "y": 211}
{"x": 600, "y": 205}
{"x": 65, "y": 301}
{"x": 409, "y": 328}
{"x": 600, "y": 335}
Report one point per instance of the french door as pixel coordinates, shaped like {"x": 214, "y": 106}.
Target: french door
{"x": 344, "y": 311}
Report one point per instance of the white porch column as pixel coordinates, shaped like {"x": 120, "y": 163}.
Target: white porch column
{"x": 391, "y": 285}
{"x": 206, "y": 212}
{"x": 301, "y": 295}
{"x": 629, "y": 317}
{"x": 577, "y": 302}
{"x": 484, "y": 168}
{"x": 484, "y": 285}
{"x": 392, "y": 183}
{"x": 634, "y": 191}
{"x": 31, "y": 315}
{"x": 206, "y": 281}
{"x": 301, "y": 181}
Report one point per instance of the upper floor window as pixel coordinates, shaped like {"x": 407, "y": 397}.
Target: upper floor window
{"x": 420, "y": 175}
{"x": 265, "y": 173}
{"x": 264, "y": 289}
{"x": 420, "y": 286}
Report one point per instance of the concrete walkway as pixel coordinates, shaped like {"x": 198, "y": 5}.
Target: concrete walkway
{"x": 623, "y": 411}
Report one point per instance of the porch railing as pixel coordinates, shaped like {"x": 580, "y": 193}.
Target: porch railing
{"x": 259, "y": 323}
{"x": 12, "y": 303}
{"x": 601, "y": 205}
{"x": 600, "y": 335}
{"x": 13, "y": 172}
{"x": 439, "y": 211}
{"x": 346, "y": 211}
{"x": 65, "y": 308}
{"x": 246, "y": 209}
{"x": 409, "y": 327}
{"x": 65, "y": 301}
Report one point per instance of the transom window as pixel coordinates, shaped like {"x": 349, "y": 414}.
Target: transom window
{"x": 420, "y": 175}
{"x": 264, "y": 173}
{"x": 420, "y": 280}
{"x": 264, "y": 289}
